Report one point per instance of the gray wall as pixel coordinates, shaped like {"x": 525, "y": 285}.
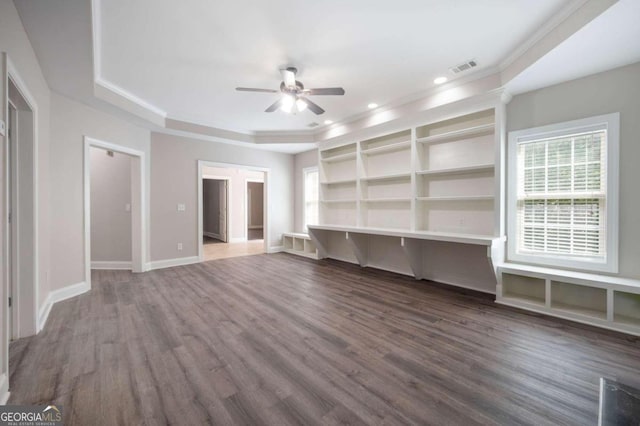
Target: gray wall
{"x": 302, "y": 161}
{"x": 211, "y": 189}
{"x": 110, "y": 193}
{"x": 612, "y": 91}
{"x": 174, "y": 165}
{"x": 70, "y": 122}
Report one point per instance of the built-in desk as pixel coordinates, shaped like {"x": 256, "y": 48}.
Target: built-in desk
{"x": 463, "y": 260}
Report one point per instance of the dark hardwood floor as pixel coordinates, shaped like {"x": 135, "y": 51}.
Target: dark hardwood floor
{"x": 279, "y": 339}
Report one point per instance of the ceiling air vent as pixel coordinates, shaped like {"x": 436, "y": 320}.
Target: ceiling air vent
{"x": 313, "y": 124}
{"x": 463, "y": 67}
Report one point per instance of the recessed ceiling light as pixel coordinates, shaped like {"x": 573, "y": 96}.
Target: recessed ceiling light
{"x": 372, "y": 105}
{"x": 440, "y": 80}
{"x": 328, "y": 121}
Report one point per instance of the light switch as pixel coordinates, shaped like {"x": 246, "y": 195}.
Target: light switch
{"x": 127, "y": 207}
{"x": 181, "y": 207}
{"x": 3, "y": 128}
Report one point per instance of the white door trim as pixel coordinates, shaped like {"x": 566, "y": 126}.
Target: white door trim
{"x": 139, "y": 235}
{"x": 30, "y": 317}
{"x": 267, "y": 216}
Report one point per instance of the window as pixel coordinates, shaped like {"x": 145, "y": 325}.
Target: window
{"x": 563, "y": 194}
{"x": 311, "y": 198}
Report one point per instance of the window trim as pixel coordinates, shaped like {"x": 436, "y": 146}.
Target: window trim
{"x": 304, "y": 195}
{"x": 610, "y": 263}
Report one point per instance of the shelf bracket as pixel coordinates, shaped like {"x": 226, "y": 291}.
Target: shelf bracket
{"x": 496, "y": 253}
{"x": 359, "y": 245}
{"x": 320, "y": 240}
{"x": 413, "y": 250}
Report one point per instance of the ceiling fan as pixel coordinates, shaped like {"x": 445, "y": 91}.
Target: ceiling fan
{"x": 294, "y": 95}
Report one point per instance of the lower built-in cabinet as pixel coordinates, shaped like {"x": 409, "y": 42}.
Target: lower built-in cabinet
{"x": 604, "y": 301}
{"x": 299, "y": 244}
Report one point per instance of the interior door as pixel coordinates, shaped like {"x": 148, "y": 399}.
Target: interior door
{"x": 224, "y": 198}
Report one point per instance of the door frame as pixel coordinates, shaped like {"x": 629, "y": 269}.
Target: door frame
{"x": 266, "y": 190}
{"x": 25, "y": 312}
{"x": 228, "y": 195}
{"x": 13, "y": 243}
{"x": 28, "y": 312}
{"x": 138, "y": 204}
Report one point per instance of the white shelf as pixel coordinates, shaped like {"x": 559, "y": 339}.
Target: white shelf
{"x": 459, "y": 170}
{"x": 339, "y": 182}
{"x": 458, "y": 198}
{"x": 522, "y": 299}
{"x": 484, "y": 240}
{"x": 396, "y": 176}
{"x": 599, "y": 300}
{"x": 458, "y": 134}
{"x": 387, "y": 148}
{"x": 593, "y": 280}
{"x": 340, "y": 157}
{"x": 386, "y": 200}
{"x": 577, "y": 310}
{"x": 338, "y": 201}
{"x": 299, "y": 244}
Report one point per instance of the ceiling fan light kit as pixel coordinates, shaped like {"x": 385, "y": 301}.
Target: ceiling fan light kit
{"x": 294, "y": 95}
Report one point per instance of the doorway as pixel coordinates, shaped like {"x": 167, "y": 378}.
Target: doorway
{"x": 255, "y": 209}
{"x": 137, "y": 208}
{"x": 215, "y": 209}
{"x": 111, "y": 201}
{"x": 232, "y": 220}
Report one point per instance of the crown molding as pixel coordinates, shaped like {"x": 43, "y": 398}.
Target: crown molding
{"x": 567, "y": 21}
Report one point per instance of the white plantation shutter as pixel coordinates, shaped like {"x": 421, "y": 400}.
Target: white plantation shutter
{"x": 561, "y": 194}
{"x": 311, "y": 197}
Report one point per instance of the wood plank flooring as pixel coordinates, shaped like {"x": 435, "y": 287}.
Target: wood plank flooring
{"x": 279, "y": 339}
{"x": 220, "y": 250}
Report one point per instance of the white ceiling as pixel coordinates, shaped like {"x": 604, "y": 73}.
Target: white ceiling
{"x": 611, "y": 40}
{"x": 187, "y": 57}
{"x": 187, "y": 60}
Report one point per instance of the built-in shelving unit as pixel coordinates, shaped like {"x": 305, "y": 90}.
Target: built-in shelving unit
{"x": 438, "y": 176}
{"x": 428, "y": 200}
{"x": 299, "y": 244}
{"x": 604, "y": 301}
{"x": 431, "y": 179}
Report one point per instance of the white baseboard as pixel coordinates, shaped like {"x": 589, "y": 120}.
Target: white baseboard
{"x": 4, "y": 389}
{"x": 255, "y": 226}
{"x": 169, "y": 263}
{"x": 212, "y": 235}
{"x": 109, "y": 264}
{"x": 43, "y": 313}
{"x": 59, "y": 295}
{"x": 275, "y": 249}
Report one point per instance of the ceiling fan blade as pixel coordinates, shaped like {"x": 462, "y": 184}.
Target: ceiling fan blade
{"x": 325, "y": 91}
{"x": 312, "y": 106}
{"x": 250, "y": 89}
{"x": 274, "y": 106}
{"x": 289, "y": 77}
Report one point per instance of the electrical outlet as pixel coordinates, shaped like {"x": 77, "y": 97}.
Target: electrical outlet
{"x": 179, "y": 246}
{"x": 181, "y": 207}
